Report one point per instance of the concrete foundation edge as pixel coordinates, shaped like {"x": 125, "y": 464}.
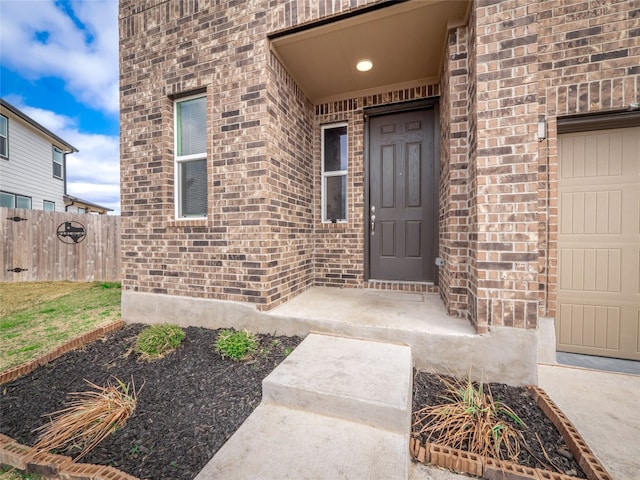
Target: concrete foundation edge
{"x": 506, "y": 355}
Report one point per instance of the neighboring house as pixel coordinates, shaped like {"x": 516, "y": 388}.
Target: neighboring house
{"x": 33, "y": 166}
{"x": 491, "y": 154}
{"x": 78, "y": 205}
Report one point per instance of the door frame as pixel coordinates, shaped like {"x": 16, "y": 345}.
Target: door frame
{"x": 402, "y": 107}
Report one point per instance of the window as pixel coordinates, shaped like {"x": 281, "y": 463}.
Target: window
{"x": 7, "y": 200}
{"x": 11, "y": 200}
{"x": 48, "y": 206}
{"x": 191, "y": 157}
{"x": 334, "y": 173}
{"x": 57, "y": 163}
{"x": 4, "y": 136}
{"x": 81, "y": 210}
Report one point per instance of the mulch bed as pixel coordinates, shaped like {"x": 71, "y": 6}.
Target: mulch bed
{"x": 190, "y": 402}
{"x": 429, "y": 389}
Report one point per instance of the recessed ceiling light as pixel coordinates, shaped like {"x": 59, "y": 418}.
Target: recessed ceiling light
{"x": 364, "y": 65}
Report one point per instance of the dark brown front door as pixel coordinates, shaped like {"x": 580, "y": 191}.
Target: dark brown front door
{"x": 402, "y": 196}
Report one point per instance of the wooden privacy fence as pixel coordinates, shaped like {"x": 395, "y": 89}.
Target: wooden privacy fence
{"x": 53, "y": 246}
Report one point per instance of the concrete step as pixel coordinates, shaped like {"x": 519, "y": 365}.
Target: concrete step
{"x": 357, "y": 380}
{"x": 278, "y": 443}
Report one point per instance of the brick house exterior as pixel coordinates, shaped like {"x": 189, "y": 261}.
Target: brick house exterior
{"x": 509, "y": 65}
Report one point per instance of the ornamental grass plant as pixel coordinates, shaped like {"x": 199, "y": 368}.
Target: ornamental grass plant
{"x": 470, "y": 419}
{"x": 90, "y": 418}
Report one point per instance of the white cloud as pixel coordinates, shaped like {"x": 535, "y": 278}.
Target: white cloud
{"x": 39, "y": 39}
{"x": 93, "y": 173}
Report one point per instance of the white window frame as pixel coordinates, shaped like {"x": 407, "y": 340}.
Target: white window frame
{"x": 44, "y": 205}
{"x": 180, "y": 159}
{"x": 5, "y": 135}
{"x": 61, "y": 163}
{"x": 336, "y": 173}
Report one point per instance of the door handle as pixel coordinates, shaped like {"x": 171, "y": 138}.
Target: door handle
{"x": 373, "y": 220}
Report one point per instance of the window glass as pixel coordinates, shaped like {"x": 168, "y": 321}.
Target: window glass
{"x": 336, "y": 195}
{"x": 7, "y": 200}
{"x": 334, "y": 173}
{"x": 192, "y": 127}
{"x": 23, "y": 202}
{"x": 4, "y": 138}
{"x": 335, "y": 149}
{"x": 57, "y": 162}
{"x": 191, "y": 157}
{"x": 193, "y": 179}
{"x": 48, "y": 206}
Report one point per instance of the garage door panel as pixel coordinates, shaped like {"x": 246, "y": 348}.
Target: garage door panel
{"x": 598, "y": 243}
{"x": 590, "y": 325}
{"x": 637, "y": 332}
{"x": 590, "y": 270}
{"x": 592, "y": 212}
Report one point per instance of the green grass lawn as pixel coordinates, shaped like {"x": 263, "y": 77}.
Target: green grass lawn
{"x": 7, "y": 473}
{"x": 36, "y": 317}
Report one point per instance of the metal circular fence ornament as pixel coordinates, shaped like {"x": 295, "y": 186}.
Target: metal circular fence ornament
{"x": 71, "y": 232}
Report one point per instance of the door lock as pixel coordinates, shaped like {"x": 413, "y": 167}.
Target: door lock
{"x": 373, "y": 220}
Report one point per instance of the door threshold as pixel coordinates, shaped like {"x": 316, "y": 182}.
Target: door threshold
{"x": 402, "y": 286}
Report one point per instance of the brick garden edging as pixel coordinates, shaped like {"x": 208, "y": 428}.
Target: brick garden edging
{"x": 488, "y": 468}
{"x": 20, "y": 370}
{"x": 16, "y": 455}
{"x": 54, "y": 466}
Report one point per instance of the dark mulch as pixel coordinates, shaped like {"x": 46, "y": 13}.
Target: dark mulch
{"x": 428, "y": 389}
{"x": 190, "y": 403}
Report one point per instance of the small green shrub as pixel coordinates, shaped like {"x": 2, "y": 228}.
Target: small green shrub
{"x": 236, "y": 345}
{"x": 158, "y": 340}
{"x": 105, "y": 285}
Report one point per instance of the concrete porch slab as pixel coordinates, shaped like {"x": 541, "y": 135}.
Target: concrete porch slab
{"x": 383, "y": 309}
{"x": 346, "y": 378}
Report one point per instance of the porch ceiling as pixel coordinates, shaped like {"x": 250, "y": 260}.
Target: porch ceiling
{"x": 405, "y": 42}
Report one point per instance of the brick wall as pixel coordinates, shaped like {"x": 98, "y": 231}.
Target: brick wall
{"x": 516, "y": 62}
{"x": 288, "y": 234}
{"x": 454, "y": 240}
{"x": 588, "y": 61}
{"x": 527, "y": 61}
{"x": 222, "y": 50}
{"x": 256, "y": 245}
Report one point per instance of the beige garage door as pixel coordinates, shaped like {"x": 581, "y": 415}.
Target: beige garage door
{"x": 599, "y": 243}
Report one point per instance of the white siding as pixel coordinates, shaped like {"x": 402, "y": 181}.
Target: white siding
{"x": 29, "y": 169}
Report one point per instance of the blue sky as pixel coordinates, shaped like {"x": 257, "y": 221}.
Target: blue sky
{"x": 59, "y": 65}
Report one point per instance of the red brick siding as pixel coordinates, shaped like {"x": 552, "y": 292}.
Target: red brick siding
{"x": 454, "y": 239}
{"x": 588, "y": 61}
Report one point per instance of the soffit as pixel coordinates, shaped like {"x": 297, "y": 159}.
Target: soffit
{"x": 404, "y": 41}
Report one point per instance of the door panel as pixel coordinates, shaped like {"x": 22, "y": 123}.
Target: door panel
{"x": 402, "y": 196}
{"x": 599, "y": 243}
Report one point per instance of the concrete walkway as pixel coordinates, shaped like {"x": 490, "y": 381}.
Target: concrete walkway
{"x": 605, "y": 408}
{"x": 336, "y": 408}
